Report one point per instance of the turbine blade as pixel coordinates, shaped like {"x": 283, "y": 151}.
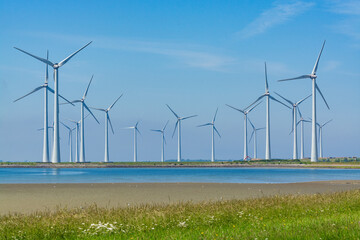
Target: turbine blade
{"x": 303, "y": 100}
{"x": 287, "y": 100}
{"x": 295, "y": 78}
{"x": 176, "y": 124}
{"x": 165, "y": 125}
{"x": 215, "y": 114}
{"x": 266, "y": 80}
{"x": 217, "y": 131}
{"x": 91, "y": 113}
{"x": 99, "y": 109}
{"x": 253, "y": 107}
{"x": 291, "y": 131}
{"x": 72, "y": 120}
{"x": 256, "y": 101}
{"x": 66, "y": 100}
{"x": 69, "y": 57}
{"x": 260, "y": 129}
{"x": 299, "y": 112}
{"x": 317, "y": 60}
{"x": 252, "y": 125}
{"x": 38, "y": 58}
{"x": 87, "y": 89}
{"x": 164, "y": 139}
{"x": 189, "y": 117}
{"x": 65, "y": 125}
{"x": 172, "y": 111}
{"x": 237, "y": 109}
{"x": 136, "y": 129}
{"x": 111, "y": 126}
{"x": 155, "y": 130}
{"x": 206, "y": 124}
{"x": 36, "y": 89}
{"x": 114, "y": 102}
{"x": 75, "y": 101}
{"x": 252, "y": 134}
{"x": 317, "y": 87}
{"x": 326, "y": 122}
{"x": 279, "y": 102}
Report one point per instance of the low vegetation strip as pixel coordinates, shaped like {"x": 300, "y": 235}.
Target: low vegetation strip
{"x": 305, "y": 163}
{"x": 319, "y": 216}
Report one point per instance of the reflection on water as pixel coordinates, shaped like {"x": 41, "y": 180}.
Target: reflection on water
{"x": 221, "y": 175}
{"x": 51, "y": 171}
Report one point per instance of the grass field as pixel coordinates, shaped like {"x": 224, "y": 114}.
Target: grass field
{"x": 320, "y": 216}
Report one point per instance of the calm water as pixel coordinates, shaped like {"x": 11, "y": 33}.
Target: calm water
{"x": 129, "y": 175}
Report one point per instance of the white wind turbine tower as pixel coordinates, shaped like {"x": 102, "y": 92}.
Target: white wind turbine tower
{"x": 82, "y": 124}
{"x": 294, "y": 121}
{"x": 213, "y": 128}
{"x": 254, "y": 133}
{"x": 245, "y": 112}
{"x": 268, "y": 97}
{"x": 178, "y": 124}
{"x": 107, "y": 120}
{"x": 301, "y": 121}
{"x": 49, "y": 127}
{"x": 46, "y": 124}
{"x": 70, "y": 140}
{"x": 77, "y": 123}
{"x": 136, "y": 130}
{"x": 56, "y": 143}
{"x": 77, "y": 126}
{"x": 320, "y": 136}
{"x": 163, "y": 141}
{"x": 313, "y": 76}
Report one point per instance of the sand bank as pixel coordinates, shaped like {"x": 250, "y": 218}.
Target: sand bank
{"x": 27, "y": 198}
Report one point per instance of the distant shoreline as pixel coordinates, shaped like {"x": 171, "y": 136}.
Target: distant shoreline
{"x": 349, "y": 165}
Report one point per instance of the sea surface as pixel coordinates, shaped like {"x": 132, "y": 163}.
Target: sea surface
{"x": 210, "y": 175}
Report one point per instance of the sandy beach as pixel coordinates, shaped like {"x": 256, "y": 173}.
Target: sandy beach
{"x": 28, "y": 198}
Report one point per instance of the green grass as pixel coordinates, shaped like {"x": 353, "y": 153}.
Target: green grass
{"x": 320, "y": 216}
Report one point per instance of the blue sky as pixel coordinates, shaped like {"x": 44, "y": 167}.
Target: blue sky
{"x": 193, "y": 55}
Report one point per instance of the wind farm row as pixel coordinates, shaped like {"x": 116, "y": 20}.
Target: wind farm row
{"x": 316, "y": 128}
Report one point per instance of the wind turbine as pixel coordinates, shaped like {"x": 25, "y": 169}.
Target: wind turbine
{"x": 163, "y": 141}
{"x": 320, "y": 136}
{"x": 301, "y": 121}
{"x": 83, "y": 105}
{"x": 313, "y": 76}
{"x": 294, "y": 121}
{"x": 213, "y": 128}
{"x": 77, "y": 126}
{"x": 107, "y": 117}
{"x": 56, "y": 148}
{"x": 49, "y": 127}
{"x": 70, "y": 139}
{"x": 245, "y": 112}
{"x": 46, "y": 124}
{"x": 178, "y": 123}
{"x": 77, "y": 123}
{"x": 136, "y": 130}
{"x": 254, "y": 133}
{"x": 268, "y": 97}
